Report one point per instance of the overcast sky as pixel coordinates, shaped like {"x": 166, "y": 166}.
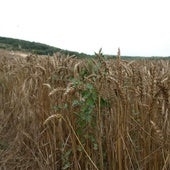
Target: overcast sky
{"x": 138, "y": 27}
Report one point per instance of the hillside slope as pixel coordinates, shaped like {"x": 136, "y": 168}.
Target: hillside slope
{"x": 12, "y": 44}
{"x": 34, "y": 47}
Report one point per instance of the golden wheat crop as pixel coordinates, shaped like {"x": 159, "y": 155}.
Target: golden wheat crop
{"x": 83, "y": 114}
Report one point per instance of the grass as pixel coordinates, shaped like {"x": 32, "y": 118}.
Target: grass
{"x": 84, "y": 114}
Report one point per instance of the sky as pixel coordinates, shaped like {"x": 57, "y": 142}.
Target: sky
{"x": 137, "y": 27}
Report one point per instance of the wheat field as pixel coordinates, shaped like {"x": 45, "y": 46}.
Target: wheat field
{"x": 60, "y": 112}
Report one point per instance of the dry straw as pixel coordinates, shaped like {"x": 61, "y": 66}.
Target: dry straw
{"x": 65, "y": 113}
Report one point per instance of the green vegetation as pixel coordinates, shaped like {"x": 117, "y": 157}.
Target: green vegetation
{"x": 43, "y": 49}
{"x": 34, "y": 47}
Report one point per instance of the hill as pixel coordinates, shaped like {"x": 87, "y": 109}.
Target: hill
{"x": 43, "y": 49}
{"x": 34, "y": 47}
